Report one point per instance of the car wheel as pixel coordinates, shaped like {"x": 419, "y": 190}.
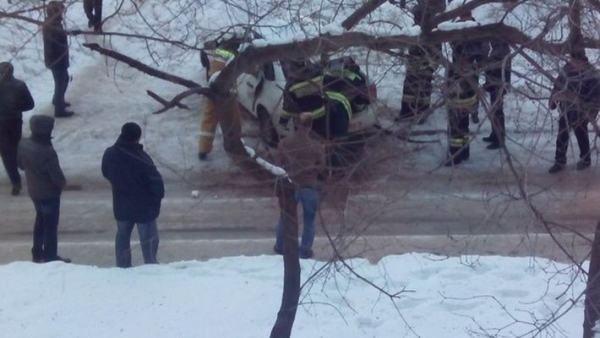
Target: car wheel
{"x": 267, "y": 131}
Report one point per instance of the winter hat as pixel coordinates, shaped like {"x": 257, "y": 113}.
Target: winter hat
{"x": 131, "y": 132}
{"x": 41, "y": 125}
{"x": 6, "y": 70}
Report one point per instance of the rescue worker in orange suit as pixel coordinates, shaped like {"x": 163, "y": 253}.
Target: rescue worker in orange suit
{"x": 227, "y": 48}
{"x": 497, "y": 80}
{"x": 330, "y": 110}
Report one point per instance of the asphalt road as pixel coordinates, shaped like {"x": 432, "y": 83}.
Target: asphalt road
{"x": 428, "y": 212}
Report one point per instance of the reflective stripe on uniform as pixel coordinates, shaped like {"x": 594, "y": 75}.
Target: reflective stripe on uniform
{"x": 319, "y": 112}
{"x": 457, "y": 142}
{"x": 224, "y": 54}
{"x": 341, "y": 99}
{"x": 467, "y": 103}
{"x": 206, "y": 134}
{"x": 342, "y": 74}
{"x": 308, "y": 87}
{"x": 415, "y": 98}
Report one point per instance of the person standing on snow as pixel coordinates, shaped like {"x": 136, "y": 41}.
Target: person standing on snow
{"x": 576, "y": 94}
{"x": 303, "y": 158}
{"x": 56, "y": 55}
{"x": 15, "y": 98}
{"x": 45, "y": 182}
{"x": 227, "y": 49}
{"x": 137, "y": 189}
{"x": 93, "y": 11}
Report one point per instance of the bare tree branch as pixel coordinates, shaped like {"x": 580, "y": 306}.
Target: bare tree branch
{"x": 142, "y": 67}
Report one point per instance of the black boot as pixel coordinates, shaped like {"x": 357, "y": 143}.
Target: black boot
{"x": 454, "y": 157}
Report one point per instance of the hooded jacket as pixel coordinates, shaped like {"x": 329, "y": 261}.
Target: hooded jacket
{"x": 15, "y": 97}
{"x": 137, "y": 186}
{"x": 577, "y": 87}
{"x": 37, "y": 158}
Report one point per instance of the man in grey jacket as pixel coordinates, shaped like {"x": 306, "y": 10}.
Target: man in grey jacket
{"x": 45, "y": 182}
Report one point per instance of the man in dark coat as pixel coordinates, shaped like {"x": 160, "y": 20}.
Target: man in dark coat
{"x": 497, "y": 80}
{"x": 93, "y": 11}
{"x": 45, "y": 182}
{"x": 137, "y": 189}
{"x": 576, "y": 94}
{"x": 56, "y": 55}
{"x": 15, "y": 98}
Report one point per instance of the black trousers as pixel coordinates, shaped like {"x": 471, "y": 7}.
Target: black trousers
{"x": 10, "y": 135}
{"x": 576, "y": 120}
{"x": 458, "y": 133}
{"x": 45, "y": 229}
{"x": 93, "y": 11}
{"x": 416, "y": 93}
{"x": 61, "y": 82}
{"x": 334, "y": 127}
{"x": 497, "y": 115}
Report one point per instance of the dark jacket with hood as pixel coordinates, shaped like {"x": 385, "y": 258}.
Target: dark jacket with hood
{"x": 577, "y": 87}
{"x": 15, "y": 97}
{"x": 56, "y": 44}
{"x": 137, "y": 186}
{"x": 37, "y": 158}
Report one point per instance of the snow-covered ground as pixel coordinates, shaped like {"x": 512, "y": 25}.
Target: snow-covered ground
{"x": 239, "y": 297}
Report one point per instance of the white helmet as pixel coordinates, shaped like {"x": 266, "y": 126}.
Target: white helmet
{"x": 233, "y": 32}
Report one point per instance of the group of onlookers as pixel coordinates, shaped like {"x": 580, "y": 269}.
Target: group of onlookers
{"x": 136, "y": 183}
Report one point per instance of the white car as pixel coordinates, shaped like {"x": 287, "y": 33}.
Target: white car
{"x": 262, "y": 95}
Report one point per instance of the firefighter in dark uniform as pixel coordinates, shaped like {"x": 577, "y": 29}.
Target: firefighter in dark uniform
{"x": 343, "y": 75}
{"x": 576, "y": 94}
{"x": 461, "y": 98}
{"x": 497, "y": 80}
{"x": 226, "y": 49}
{"x": 93, "y": 12}
{"x": 421, "y": 64}
{"x": 416, "y": 92}
{"x": 476, "y": 52}
{"x": 330, "y": 110}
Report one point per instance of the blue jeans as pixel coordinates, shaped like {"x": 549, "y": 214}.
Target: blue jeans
{"x": 61, "y": 82}
{"x": 148, "y": 233}
{"x": 309, "y": 197}
{"x": 45, "y": 229}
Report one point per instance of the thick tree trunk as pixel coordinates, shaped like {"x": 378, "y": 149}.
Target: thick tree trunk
{"x": 592, "y": 294}
{"x": 291, "y": 261}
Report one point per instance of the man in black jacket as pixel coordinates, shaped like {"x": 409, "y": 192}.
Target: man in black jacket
{"x": 576, "y": 94}
{"x": 45, "y": 182}
{"x": 56, "y": 55}
{"x": 15, "y": 98}
{"x": 137, "y": 189}
{"x": 93, "y": 11}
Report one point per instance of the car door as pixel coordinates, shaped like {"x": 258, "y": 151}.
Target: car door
{"x": 246, "y": 87}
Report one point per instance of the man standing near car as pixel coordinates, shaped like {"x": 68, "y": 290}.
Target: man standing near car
{"x": 303, "y": 158}
{"x": 137, "y": 189}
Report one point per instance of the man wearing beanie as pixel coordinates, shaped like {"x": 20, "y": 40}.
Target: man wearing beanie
{"x": 137, "y": 189}
{"x": 45, "y": 182}
{"x": 15, "y": 98}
